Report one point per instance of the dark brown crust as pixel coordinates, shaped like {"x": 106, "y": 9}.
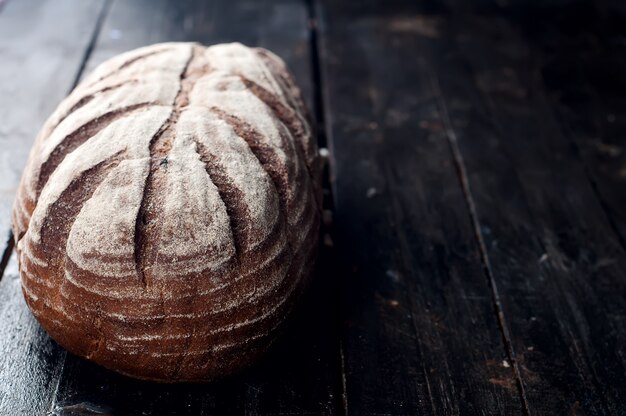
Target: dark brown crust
{"x": 265, "y": 154}
{"x": 183, "y": 324}
{"x": 54, "y": 234}
{"x": 238, "y": 213}
{"x": 128, "y": 63}
{"x": 84, "y": 100}
{"x": 78, "y": 137}
{"x": 285, "y": 114}
{"x": 146, "y": 227}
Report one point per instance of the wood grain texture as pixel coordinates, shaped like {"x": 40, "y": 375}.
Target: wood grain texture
{"x": 556, "y": 260}
{"x": 420, "y": 334}
{"x": 581, "y": 63}
{"x": 532, "y": 91}
{"x": 30, "y": 362}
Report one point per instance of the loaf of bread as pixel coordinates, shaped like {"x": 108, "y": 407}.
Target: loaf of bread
{"x": 168, "y": 216}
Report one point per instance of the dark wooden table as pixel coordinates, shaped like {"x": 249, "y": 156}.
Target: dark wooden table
{"x": 475, "y": 262}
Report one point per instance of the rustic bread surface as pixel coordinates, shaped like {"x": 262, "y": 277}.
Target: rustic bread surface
{"x": 168, "y": 215}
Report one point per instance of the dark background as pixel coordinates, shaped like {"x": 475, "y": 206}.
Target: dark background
{"x": 473, "y": 255}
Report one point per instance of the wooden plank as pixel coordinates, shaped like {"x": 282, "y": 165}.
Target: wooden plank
{"x": 29, "y": 360}
{"x": 301, "y": 374}
{"x": 420, "y": 334}
{"x": 41, "y": 51}
{"x": 581, "y": 57}
{"x": 556, "y": 260}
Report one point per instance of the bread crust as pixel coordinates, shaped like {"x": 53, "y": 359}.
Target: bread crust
{"x": 168, "y": 216}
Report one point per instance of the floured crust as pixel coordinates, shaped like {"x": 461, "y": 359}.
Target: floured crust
{"x": 168, "y": 215}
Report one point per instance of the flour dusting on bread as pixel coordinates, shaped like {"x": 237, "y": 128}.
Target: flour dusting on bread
{"x": 168, "y": 216}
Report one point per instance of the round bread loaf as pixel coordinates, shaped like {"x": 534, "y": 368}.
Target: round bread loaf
{"x": 168, "y": 216}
